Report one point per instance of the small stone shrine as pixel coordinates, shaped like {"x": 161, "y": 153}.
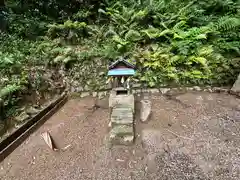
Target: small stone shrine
{"x": 121, "y": 102}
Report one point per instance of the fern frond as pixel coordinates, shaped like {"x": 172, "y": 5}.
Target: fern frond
{"x": 8, "y": 90}
{"x": 132, "y": 35}
{"x": 227, "y": 23}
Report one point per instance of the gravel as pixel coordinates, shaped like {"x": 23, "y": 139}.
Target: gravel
{"x": 195, "y": 136}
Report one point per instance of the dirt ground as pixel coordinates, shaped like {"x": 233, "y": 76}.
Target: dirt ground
{"x": 192, "y": 136}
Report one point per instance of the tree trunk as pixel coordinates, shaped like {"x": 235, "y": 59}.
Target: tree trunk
{"x": 2, "y": 3}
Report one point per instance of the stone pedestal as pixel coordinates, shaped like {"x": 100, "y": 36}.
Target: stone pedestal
{"x": 122, "y": 109}
{"x": 145, "y": 110}
{"x": 236, "y": 86}
{"x": 121, "y": 101}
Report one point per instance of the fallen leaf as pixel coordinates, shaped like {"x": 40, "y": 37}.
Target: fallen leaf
{"x": 48, "y": 140}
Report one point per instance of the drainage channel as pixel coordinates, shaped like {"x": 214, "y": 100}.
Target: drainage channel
{"x": 9, "y": 144}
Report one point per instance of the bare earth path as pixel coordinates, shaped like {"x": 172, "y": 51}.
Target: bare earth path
{"x": 193, "y": 136}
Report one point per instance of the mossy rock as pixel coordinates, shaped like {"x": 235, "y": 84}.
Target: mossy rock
{"x": 2, "y": 128}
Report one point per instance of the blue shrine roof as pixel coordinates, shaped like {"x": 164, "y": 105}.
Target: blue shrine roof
{"x": 121, "y": 72}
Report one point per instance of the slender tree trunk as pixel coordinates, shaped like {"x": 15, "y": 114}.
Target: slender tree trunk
{"x": 2, "y": 3}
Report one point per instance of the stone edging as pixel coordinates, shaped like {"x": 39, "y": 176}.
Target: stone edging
{"x": 164, "y": 91}
{"x": 17, "y": 137}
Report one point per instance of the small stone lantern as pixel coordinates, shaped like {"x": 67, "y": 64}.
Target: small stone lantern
{"x": 120, "y": 73}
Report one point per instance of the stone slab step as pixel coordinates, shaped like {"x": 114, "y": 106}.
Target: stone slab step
{"x": 121, "y": 100}
{"x": 121, "y": 131}
{"x": 126, "y": 140}
{"x": 122, "y": 112}
{"x": 120, "y": 121}
{"x": 122, "y": 116}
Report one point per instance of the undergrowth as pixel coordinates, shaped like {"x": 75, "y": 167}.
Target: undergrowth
{"x": 172, "y": 42}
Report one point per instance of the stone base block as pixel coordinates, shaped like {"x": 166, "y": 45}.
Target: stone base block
{"x": 121, "y": 131}
{"x": 122, "y": 116}
{"x": 121, "y": 100}
{"x": 126, "y": 140}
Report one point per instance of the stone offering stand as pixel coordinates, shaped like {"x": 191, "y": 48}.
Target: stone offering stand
{"x": 121, "y": 102}
{"x": 121, "y": 117}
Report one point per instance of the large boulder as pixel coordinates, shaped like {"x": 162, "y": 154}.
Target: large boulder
{"x": 236, "y": 86}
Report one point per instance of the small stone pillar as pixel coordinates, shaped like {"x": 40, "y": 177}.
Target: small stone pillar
{"x": 236, "y": 86}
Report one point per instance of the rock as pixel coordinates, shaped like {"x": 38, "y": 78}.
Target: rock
{"x": 164, "y": 90}
{"x": 189, "y": 88}
{"x": 197, "y": 88}
{"x": 78, "y": 89}
{"x": 72, "y": 89}
{"x": 2, "y": 127}
{"x": 154, "y": 90}
{"x": 87, "y": 88}
{"x": 22, "y": 117}
{"x": 209, "y": 90}
{"x": 94, "y": 94}
{"x": 32, "y": 111}
{"x": 2, "y": 114}
{"x": 102, "y": 94}
{"x": 216, "y": 89}
{"x": 75, "y": 83}
{"x": 84, "y": 94}
{"x": 145, "y": 110}
{"x": 236, "y": 86}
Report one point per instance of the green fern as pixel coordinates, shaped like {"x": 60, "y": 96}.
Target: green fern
{"x": 226, "y": 24}
{"x": 9, "y": 89}
{"x": 133, "y": 35}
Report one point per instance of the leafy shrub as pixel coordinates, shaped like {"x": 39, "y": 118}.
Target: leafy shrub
{"x": 70, "y": 31}
{"x": 172, "y": 42}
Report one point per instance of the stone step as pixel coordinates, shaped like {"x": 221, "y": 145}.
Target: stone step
{"x": 121, "y": 100}
{"x": 126, "y": 140}
{"x": 121, "y": 121}
{"x": 122, "y": 112}
{"x": 122, "y": 116}
{"x": 121, "y": 131}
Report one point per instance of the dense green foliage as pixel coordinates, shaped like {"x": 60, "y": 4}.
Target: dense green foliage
{"x": 172, "y": 41}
